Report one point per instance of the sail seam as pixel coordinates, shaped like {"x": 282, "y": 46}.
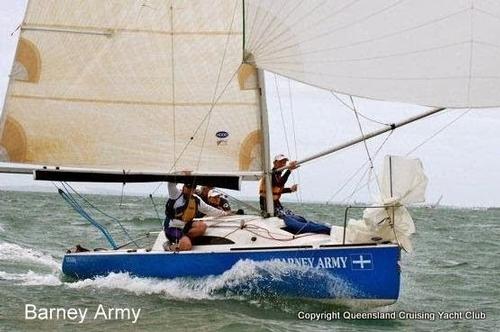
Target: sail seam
{"x": 132, "y": 102}
{"x": 111, "y": 31}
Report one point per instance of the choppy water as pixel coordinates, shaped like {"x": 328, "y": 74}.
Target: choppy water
{"x": 455, "y": 267}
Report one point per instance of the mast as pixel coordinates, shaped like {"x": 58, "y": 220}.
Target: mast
{"x": 266, "y": 153}
{"x": 264, "y": 121}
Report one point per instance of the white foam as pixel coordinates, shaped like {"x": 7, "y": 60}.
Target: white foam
{"x": 16, "y": 253}
{"x": 31, "y": 278}
{"x": 245, "y": 273}
{"x": 2, "y": 229}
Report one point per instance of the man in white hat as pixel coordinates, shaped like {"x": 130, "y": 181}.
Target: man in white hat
{"x": 217, "y": 200}
{"x": 278, "y": 180}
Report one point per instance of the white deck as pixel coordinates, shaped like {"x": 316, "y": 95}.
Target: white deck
{"x": 250, "y": 231}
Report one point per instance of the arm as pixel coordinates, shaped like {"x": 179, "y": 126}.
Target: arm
{"x": 209, "y": 210}
{"x": 285, "y": 176}
{"x": 173, "y": 192}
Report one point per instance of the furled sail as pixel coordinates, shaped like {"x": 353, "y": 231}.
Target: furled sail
{"x": 135, "y": 85}
{"x": 435, "y": 53}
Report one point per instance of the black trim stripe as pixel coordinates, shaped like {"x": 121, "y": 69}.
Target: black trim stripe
{"x": 220, "y": 181}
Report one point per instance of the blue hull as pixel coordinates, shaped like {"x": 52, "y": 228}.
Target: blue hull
{"x": 362, "y": 272}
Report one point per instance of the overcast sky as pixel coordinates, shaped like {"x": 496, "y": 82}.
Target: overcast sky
{"x": 462, "y": 162}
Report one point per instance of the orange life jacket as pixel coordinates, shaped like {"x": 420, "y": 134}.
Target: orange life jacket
{"x": 276, "y": 190}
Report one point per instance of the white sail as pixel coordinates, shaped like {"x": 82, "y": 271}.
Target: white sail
{"x": 435, "y": 53}
{"x": 137, "y": 85}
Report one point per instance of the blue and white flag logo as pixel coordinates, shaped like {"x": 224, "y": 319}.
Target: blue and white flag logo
{"x": 361, "y": 262}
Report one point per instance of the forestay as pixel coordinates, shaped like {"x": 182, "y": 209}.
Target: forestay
{"x": 435, "y": 53}
{"x": 136, "y": 85}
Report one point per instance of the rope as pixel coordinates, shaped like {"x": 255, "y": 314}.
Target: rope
{"x": 90, "y": 204}
{"x": 298, "y": 192}
{"x": 357, "y": 188}
{"x": 74, "y": 204}
{"x": 437, "y": 132}
{"x": 359, "y": 113}
{"x": 156, "y": 210}
{"x": 356, "y": 172}
{"x": 285, "y": 131}
{"x": 371, "y": 169}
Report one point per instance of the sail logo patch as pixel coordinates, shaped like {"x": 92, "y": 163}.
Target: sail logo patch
{"x": 361, "y": 262}
{"x": 222, "y": 137}
{"x": 222, "y": 134}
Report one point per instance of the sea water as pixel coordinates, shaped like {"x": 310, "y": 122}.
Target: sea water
{"x": 449, "y": 283}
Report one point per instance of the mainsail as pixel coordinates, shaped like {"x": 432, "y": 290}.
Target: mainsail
{"x": 156, "y": 85}
{"x": 132, "y": 85}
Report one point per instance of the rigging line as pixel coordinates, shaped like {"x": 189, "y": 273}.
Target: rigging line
{"x": 357, "y": 112}
{"x": 172, "y": 64}
{"x": 284, "y": 126}
{"x": 375, "y": 155}
{"x": 346, "y": 182}
{"x": 259, "y": 46}
{"x": 365, "y": 144}
{"x": 74, "y": 204}
{"x": 156, "y": 210}
{"x": 332, "y": 31}
{"x": 298, "y": 192}
{"x": 156, "y": 189}
{"x": 217, "y": 84}
{"x": 204, "y": 119}
{"x": 281, "y": 113}
{"x": 66, "y": 185}
{"x": 370, "y": 40}
{"x": 438, "y": 132}
{"x": 270, "y": 29}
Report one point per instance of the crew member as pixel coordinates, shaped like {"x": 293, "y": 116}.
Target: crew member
{"x": 278, "y": 180}
{"x": 216, "y": 200}
{"x": 202, "y": 192}
{"x": 180, "y": 210}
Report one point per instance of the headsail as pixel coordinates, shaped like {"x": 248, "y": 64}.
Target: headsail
{"x": 433, "y": 53}
{"x": 135, "y": 85}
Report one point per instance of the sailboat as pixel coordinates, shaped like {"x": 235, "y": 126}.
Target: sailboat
{"x": 145, "y": 90}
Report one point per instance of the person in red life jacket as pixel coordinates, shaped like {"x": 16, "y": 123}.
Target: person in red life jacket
{"x": 216, "y": 200}
{"x": 278, "y": 181}
{"x": 180, "y": 210}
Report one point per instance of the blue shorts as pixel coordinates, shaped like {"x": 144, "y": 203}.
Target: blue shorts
{"x": 174, "y": 234}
